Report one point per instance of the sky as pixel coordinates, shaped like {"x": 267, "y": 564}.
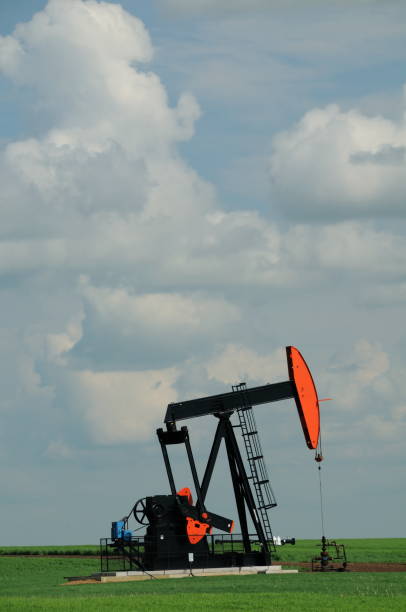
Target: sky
{"x": 186, "y": 189}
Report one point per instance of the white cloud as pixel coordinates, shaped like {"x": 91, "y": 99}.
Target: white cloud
{"x": 349, "y": 379}
{"x": 94, "y": 41}
{"x": 358, "y": 248}
{"x": 126, "y": 329}
{"x": 111, "y": 145}
{"x": 99, "y": 193}
{"x": 238, "y": 363}
{"x": 21, "y": 382}
{"x": 365, "y": 421}
{"x": 158, "y": 312}
{"x": 124, "y": 406}
{"x": 181, "y": 297}
{"x": 335, "y": 165}
{"x": 58, "y": 344}
{"x": 104, "y": 193}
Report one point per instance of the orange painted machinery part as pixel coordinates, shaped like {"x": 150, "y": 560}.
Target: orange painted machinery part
{"x": 307, "y": 402}
{"x": 196, "y": 530}
{"x": 186, "y": 492}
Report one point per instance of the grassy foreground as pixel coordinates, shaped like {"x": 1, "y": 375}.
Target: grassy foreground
{"x": 35, "y": 584}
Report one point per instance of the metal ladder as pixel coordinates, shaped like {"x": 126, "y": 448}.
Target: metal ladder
{"x": 258, "y": 472}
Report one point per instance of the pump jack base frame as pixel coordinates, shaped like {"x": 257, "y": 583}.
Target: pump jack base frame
{"x": 140, "y": 554}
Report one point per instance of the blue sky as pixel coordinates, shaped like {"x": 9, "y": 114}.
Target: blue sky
{"x": 186, "y": 189}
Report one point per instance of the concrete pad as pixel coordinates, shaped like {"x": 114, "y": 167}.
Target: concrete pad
{"x": 186, "y": 573}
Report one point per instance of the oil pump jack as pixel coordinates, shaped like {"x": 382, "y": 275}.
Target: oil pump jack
{"x": 179, "y": 532}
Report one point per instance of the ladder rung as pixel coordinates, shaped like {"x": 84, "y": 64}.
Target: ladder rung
{"x": 256, "y": 458}
{"x": 267, "y": 507}
{"x": 263, "y": 481}
{"x": 250, "y": 433}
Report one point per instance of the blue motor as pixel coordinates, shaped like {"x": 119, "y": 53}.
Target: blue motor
{"x": 118, "y": 531}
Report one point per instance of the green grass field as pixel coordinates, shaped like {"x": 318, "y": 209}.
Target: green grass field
{"x": 81, "y": 549}
{"x": 35, "y": 583}
{"x": 384, "y": 550}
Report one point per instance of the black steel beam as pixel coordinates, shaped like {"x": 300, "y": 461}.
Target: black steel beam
{"x": 200, "y": 499}
{"x": 228, "y": 402}
{"x": 164, "y": 450}
{"x": 234, "y": 456}
{"x": 240, "y": 498}
{"x": 212, "y": 457}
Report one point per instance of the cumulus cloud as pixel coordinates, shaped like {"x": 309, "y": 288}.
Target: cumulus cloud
{"x": 125, "y": 284}
{"x": 387, "y": 154}
{"x": 113, "y": 130}
{"x": 123, "y": 329}
{"x": 97, "y": 192}
{"x": 104, "y": 192}
{"x": 358, "y": 373}
{"x": 95, "y": 42}
{"x": 367, "y": 416}
{"x": 135, "y": 281}
{"x": 238, "y": 363}
{"x": 123, "y": 406}
{"x": 336, "y": 165}
{"x": 356, "y": 247}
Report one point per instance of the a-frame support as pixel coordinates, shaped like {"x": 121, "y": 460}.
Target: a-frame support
{"x": 242, "y": 490}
